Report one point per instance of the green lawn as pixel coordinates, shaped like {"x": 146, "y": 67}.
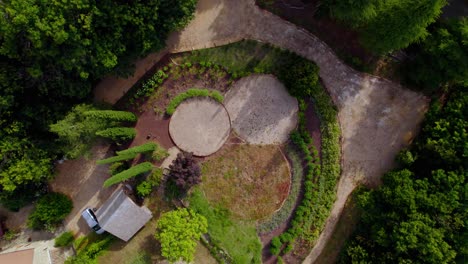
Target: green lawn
{"x": 238, "y": 238}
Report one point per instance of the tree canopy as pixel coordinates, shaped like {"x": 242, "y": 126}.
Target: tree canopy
{"x": 388, "y": 25}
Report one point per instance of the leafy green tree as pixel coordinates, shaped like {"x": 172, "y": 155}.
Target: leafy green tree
{"x": 77, "y": 132}
{"x": 178, "y": 232}
{"x": 112, "y": 115}
{"x": 118, "y": 134}
{"x": 442, "y": 57}
{"x": 127, "y": 174}
{"x": 50, "y": 210}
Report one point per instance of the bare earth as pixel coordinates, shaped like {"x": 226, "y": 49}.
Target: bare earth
{"x": 377, "y": 117}
{"x": 261, "y": 109}
{"x": 200, "y": 125}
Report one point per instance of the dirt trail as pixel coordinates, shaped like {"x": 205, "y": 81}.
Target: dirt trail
{"x": 377, "y": 117}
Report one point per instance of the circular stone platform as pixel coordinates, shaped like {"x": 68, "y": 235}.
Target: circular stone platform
{"x": 200, "y": 125}
{"x": 261, "y": 109}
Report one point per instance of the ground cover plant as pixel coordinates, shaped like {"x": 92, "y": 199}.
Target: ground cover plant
{"x": 248, "y": 180}
{"x": 190, "y": 93}
{"x": 50, "y": 210}
{"x": 238, "y": 238}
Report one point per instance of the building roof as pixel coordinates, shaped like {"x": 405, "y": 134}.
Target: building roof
{"x": 120, "y": 216}
{"x": 24, "y": 256}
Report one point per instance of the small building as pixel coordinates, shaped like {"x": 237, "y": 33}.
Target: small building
{"x": 121, "y": 217}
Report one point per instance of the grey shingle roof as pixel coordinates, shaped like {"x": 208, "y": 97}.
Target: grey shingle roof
{"x": 120, "y": 216}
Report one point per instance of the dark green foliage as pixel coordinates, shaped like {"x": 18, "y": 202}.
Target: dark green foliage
{"x": 116, "y": 158}
{"x": 149, "y": 86}
{"x": 127, "y": 174}
{"x": 276, "y": 245}
{"x": 300, "y": 78}
{"x": 388, "y": 25}
{"x": 64, "y": 240}
{"x": 144, "y": 148}
{"x": 118, "y": 134}
{"x": 442, "y": 56}
{"x": 117, "y": 167}
{"x": 184, "y": 171}
{"x": 419, "y": 213}
{"x": 190, "y": 93}
{"x": 112, "y": 115}
{"x": 159, "y": 153}
{"x": 50, "y": 210}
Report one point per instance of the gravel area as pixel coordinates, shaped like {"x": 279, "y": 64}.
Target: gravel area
{"x": 261, "y": 110}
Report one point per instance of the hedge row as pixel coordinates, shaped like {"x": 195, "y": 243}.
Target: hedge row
{"x": 116, "y": 158}
{"x": 194, "y": 92}
{"x": 112, "y": 115}
{"x": 144, "y": 148}
{"x": 118, "y": 133}
{"x": 127, "y": 174}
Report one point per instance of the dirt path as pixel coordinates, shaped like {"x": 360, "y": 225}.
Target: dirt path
{"x": 377, "y": 117}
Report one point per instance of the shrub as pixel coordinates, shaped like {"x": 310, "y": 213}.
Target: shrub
{"x": 276, "y": 245}
{"x": 159, "y": 153}
{"x": 176, "y": 101}
{"x": 116, "y": 158}
{"x": 118, "y": 133}
{"x": 87, "y": 252}
{"x": 177, "y": 231}
{"x": 146, "y": 187}
{"x": 64, "y": 240}
{"x": 112, "y": 115}
{"x": 127, "y": 174}
{"x": 150, "y": 85}
{"x": 50, "y": 210}
{"x": 300, "y": 77}
{"x": 184, "y": 171}
{"x": 144, "y": 148}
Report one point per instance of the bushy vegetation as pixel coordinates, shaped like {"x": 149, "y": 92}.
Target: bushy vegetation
{"x": 64, "y": 240}
{"x": 190, "y": 93}
{"x": 442, "y": 58}
{"x": 112, "y": 115}
{"x": 300, "y": 78}
{"x": 150, "y": 85}
{"x": 117, "y": 134}
{"x": 178, "y": 232}
{"x": 159, "y": 153}
{"x": 50, "y": 210}
{"x": 127, "y": 174}
{"x": 184, "y": 171}
{"x": 238, "y": 238}
{"x": 388, "y": 25}
{"x": 88, "y": 248}
{"x": 153, "y": 180}
{"x": 144, "y": 148}
{"x": 419, "y": 213}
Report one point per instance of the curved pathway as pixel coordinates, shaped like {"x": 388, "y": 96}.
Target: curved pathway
{"x": 377, "y": 117}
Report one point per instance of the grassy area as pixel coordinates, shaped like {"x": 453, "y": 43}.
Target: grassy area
{"x": 238, "y": 238}
{"x": 250, "y": 181}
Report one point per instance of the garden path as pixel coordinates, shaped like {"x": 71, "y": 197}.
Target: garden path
{"x": 377, "y": 117}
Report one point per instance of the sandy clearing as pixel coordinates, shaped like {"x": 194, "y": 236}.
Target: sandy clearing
{"x": 200, "y": 125}
{"x": 261, "y": 109}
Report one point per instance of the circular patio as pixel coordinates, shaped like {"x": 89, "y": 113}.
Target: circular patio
{"x": 200, "y": 125}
